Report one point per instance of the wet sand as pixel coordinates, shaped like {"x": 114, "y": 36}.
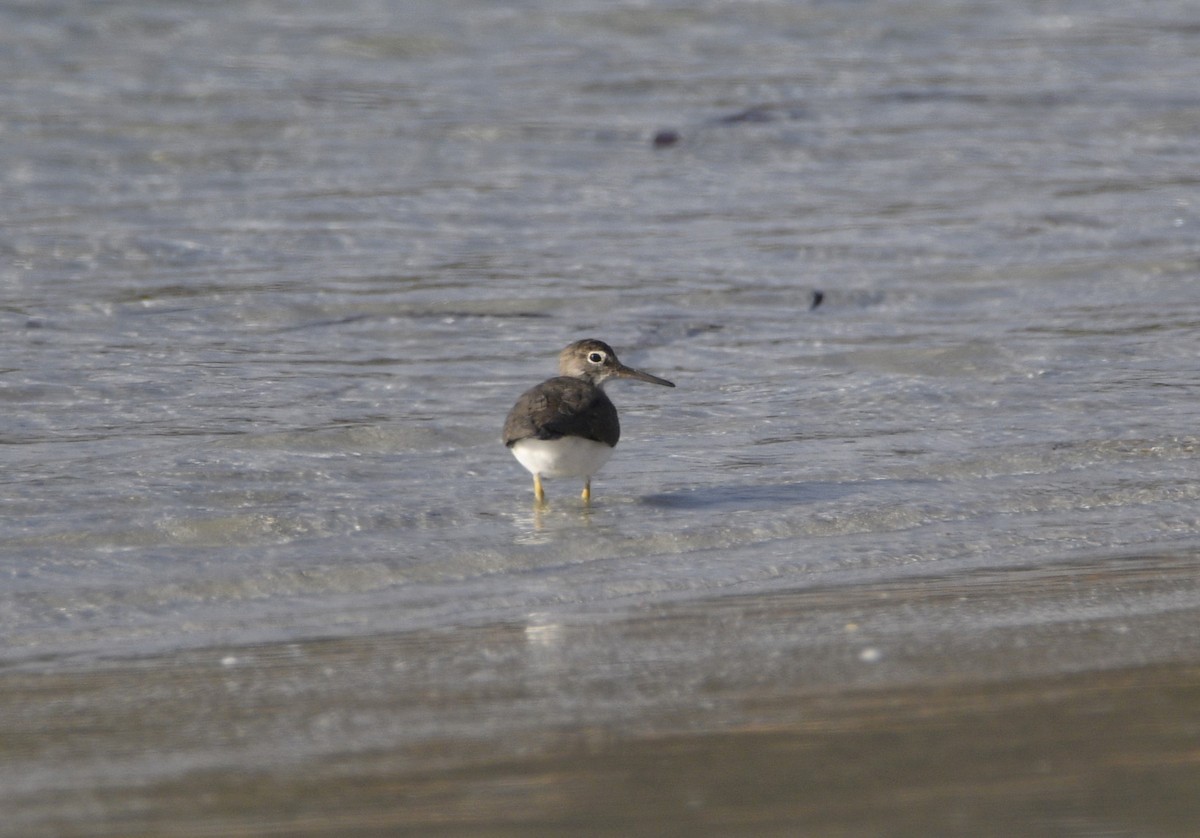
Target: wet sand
{"x": 1057, "y": 700}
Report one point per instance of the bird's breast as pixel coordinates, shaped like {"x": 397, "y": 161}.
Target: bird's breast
{"x": 568, "y": 456}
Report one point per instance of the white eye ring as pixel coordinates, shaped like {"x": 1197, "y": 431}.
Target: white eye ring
{"x": 595, "y": 357}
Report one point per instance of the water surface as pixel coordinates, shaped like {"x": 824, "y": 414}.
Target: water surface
{"x": 273, "y": 274}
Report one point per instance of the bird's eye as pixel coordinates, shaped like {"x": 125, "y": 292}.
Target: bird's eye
{"x": 596, "y": 357}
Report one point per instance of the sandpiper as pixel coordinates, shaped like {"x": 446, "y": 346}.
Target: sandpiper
{"x": 566, "y": 426}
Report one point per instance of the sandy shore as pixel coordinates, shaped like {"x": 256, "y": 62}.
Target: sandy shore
{"x": 1046, "y": 701}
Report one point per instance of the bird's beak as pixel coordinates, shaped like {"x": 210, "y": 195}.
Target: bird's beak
{"x": 629, "y": 372}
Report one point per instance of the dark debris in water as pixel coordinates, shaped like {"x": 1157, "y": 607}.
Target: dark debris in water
{"x": 753, "y": 115}
{"x": 769, "y": 112}
{"x": 665, "y": 138}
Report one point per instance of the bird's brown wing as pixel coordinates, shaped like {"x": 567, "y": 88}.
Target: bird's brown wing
{"x": 561, "y": 407}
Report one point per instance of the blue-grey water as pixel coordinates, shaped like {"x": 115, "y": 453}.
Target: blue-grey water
{"x": 916, "y": 560}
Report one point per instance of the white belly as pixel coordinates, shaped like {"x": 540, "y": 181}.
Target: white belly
{"x": 569, "y": 456}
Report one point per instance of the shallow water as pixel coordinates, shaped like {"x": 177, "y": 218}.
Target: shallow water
{"x": 273, "y": 275}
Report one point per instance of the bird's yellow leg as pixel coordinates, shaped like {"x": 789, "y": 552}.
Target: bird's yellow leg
{"x": 539, "y": 494}
{"x": 587, "y": 491}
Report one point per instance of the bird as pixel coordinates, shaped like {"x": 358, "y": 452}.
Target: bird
{"x": 567, "y": 426}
